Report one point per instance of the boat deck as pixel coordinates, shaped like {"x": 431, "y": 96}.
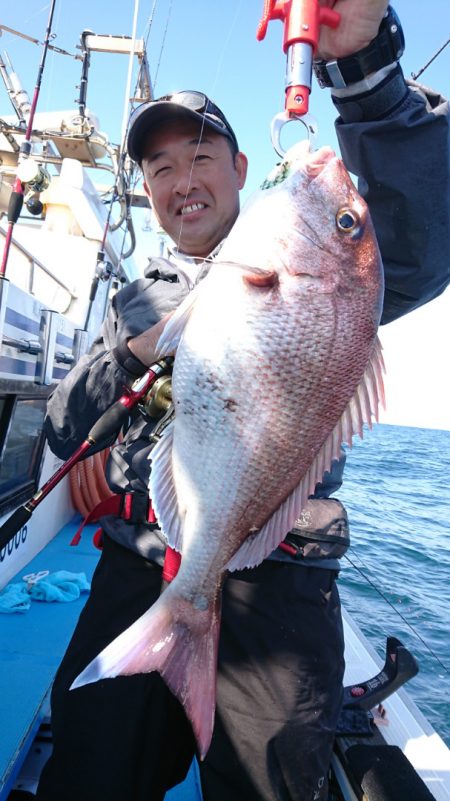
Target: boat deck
{"x": 32, "y": 644}
{"x": 403, "y": 724}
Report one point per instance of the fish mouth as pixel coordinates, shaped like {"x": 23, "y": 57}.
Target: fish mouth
{"x": 318, "y": 160}
{"x": 312, "y": 163}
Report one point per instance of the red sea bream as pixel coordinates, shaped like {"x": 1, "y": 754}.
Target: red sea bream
{"x": 277, "y": 364}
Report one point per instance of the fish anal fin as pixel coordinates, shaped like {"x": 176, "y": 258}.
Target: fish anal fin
{"x": 260, "y": 544}
{"x": 363, "y": 405}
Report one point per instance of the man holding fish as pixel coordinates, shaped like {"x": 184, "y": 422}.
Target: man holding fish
{"x": 273, "y": 318}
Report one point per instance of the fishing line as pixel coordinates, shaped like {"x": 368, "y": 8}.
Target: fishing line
{"x": 415, "y": 75}
{"x": 129, "y": 178}
{"x": 51, "y": 60}
{"x": 237, "y": 13}
{"x": 37, "y": 13}
{"x": 394, "y": 608}
{"x": 149, "y": 23}
{"x": 134, "y": 172}
{"x": 169, "y": 14}
{"x": 119, "y": 190}
{"x": 215, "y": 81}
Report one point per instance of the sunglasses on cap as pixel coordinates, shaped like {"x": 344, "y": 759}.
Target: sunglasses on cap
{"x": 196, "y": 104}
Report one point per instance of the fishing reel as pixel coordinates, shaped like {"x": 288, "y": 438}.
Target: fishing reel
{"x": 36, "y": 178}
{"x": 157, "y": 402}
{"x": 34, "y": 175}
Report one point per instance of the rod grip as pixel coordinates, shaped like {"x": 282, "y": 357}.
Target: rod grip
{"x": 109, "y": 423}
{"x": 15, "y": 206}
{"x": 13, "y": 524}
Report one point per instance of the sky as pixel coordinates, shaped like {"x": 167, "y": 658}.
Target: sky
{"x": 211, "y": 45}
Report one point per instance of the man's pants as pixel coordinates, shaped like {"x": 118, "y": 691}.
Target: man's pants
{"x": 278, "y": 695}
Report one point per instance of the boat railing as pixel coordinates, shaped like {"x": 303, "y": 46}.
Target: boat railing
{"x": 34, "y": 264}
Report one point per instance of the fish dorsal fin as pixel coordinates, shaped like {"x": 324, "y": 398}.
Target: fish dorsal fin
{"x": 162, "y": 490}
{"x": 363, "y": 405}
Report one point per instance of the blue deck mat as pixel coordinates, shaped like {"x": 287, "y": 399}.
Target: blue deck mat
{"x": 31, "y": 647}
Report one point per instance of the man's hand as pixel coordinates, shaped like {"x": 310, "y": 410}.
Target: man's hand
{"x": 360, "y": 21}
{"x": 144, "y": 345}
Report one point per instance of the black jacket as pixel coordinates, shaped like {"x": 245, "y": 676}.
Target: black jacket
{"x": 396, "y": 140}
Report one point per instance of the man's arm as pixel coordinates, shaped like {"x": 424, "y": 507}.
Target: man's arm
{"x": 394, "y": 136}
{"x": 121, "y": 353}
{"x": 396, "y": 140}
{"x": 92, "y": 386}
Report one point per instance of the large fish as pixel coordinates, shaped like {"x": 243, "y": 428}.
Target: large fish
{"x": 277, "y": 364}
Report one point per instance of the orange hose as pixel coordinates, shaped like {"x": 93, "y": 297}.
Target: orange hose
{"x": 91, "y": 483}
{"x": 75, "y": 491}
{"x": 88, "y": 483}
{"x": 99, "y": 460}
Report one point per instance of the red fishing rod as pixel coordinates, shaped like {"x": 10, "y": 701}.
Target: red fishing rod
{"x": 17, "y": 194}
{"x": 103, "y": 431}
{"x": 302, "y": 21}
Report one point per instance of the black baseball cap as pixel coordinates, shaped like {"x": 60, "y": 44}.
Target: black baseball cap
{"x": 193, "y": 105}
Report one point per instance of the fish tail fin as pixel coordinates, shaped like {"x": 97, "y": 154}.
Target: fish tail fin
{"x": 181, "y": 643}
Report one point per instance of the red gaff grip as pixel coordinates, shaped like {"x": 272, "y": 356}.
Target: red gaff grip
{"x": 302, "y": 20}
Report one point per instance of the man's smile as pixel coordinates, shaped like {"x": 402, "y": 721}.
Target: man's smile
{"x": 191, "y": 208}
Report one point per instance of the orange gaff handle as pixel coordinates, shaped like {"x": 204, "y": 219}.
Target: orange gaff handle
{"x": 302, "y": 20}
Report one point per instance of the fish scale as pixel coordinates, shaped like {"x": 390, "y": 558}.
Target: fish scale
{"x": 277, "y": 363}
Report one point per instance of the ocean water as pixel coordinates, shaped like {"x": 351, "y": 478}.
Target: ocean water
{"x": 397, "y": 494}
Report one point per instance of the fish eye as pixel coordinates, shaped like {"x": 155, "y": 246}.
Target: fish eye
{"x": 347, "y": 220}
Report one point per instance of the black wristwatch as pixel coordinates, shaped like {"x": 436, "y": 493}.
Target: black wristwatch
{"x": 387, "y": 47}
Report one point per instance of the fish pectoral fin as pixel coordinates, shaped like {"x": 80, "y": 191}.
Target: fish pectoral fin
{"x": 173, "y": 330}
{"x": 180, "y": 643}
{"x": 162, "y": 490}
{"x": 252, "y": 276}
{"x": 264, "y": 280}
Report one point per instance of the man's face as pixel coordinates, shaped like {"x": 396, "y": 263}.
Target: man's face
{"x": 193, "y": 186}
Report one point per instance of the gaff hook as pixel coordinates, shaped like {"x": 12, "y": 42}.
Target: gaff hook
{"x": 282, "y": 118}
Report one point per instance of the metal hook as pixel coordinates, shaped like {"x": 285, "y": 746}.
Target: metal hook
{"x": 282, "y": 118}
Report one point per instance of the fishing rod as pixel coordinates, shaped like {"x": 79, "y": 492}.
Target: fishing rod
{"x": 17, "y": 194}
{"x": 415, "y": 75}
{"x": 101, "y": 433}
{"x": 103, "y": 271}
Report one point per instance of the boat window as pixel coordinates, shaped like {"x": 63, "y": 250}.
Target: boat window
{"x": 21, "y": 444}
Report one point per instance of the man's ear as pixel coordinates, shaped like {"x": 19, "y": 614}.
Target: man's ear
{"x": 149, "y": 195}
{"x": 241, "y": 165}
{"x": 147, "y": 192}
